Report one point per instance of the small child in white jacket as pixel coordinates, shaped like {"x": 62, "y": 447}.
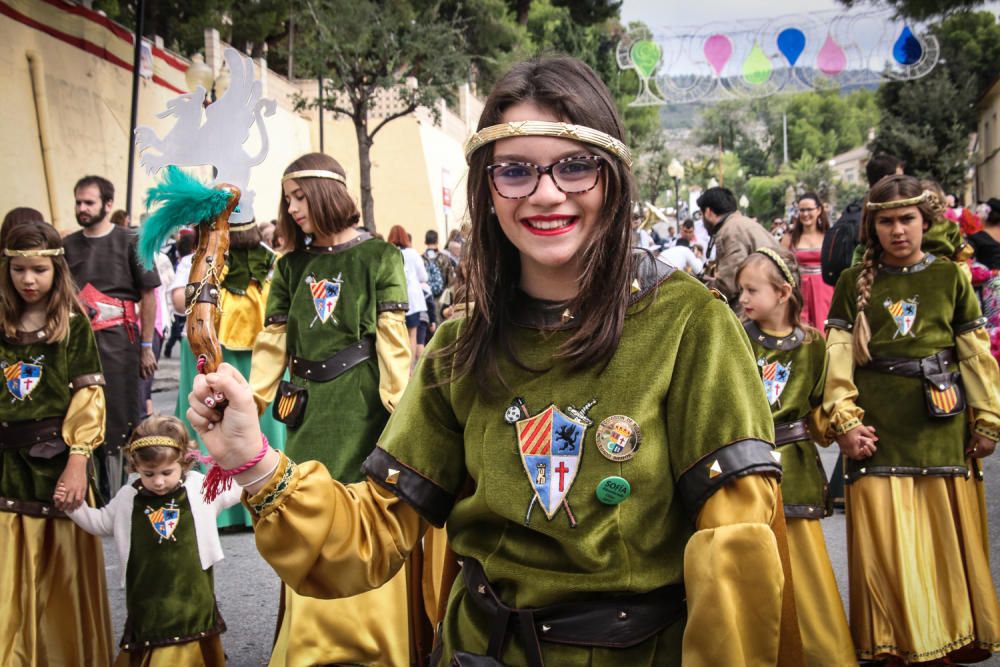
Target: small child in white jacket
{"x": 167, "y": 541}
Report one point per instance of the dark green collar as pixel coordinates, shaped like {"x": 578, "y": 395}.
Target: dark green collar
{"x": 785, "y": 343}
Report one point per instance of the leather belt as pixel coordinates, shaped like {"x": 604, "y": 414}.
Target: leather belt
{"x": 786, "y": 432}
{"x": 945, "y": 361}
{"x": 338, "y": 364}
{"x": 19, "y": 434}
{"x": 617, "y": 621}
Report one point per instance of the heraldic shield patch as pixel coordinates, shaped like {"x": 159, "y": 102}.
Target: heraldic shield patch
{"x": 164, "y": 520}
{"x": 325, "y": 295}
{"x": 21, "y": 378}
{"x": 551, "y": 446}
{"x": 775, "y": 376}
{"x": 904, "y": 314}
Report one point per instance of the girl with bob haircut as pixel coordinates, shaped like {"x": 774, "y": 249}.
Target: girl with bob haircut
{"x": 791, "y": 356}
{"x": 167, "y": 543}
{"x": 906, "y": 324}
{"x": 335, "y": 321}
{"x": 52, "y": 589}
{"x": 566, "y": 428}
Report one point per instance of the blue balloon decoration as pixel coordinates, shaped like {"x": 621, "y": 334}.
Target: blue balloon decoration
{"x": 907, "y": 50}
{"x": 791, "y": 43}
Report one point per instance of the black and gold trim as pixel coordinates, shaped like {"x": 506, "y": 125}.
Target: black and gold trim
{"x": 711, "y": 472}
{"x": 854, "y": 473}
{"x": 431, "y": 501}
{"x": 340, "y": 247}
{"x": 783, "y": 343}
{"x": 913, "y": 268}
{"x": 805, "y": 512}
{"x": 977, "y": 323}
{"x": 835, "y": 323}
{"x": 86, "y": 380}
{"x": 388, "y": 306}
{"x": 281, "y": 318}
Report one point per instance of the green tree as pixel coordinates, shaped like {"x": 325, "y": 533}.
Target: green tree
{"x": 920, "y": 9}
{"x": 367, "y": 48}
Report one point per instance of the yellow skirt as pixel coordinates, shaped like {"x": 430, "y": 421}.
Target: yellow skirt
{"x": 53, "y": 601}
{"x": 826, "y": 639}
{"x": 366, "y": 629}
{"x": 205, "y": 652}
{"x": 918, "y": 559}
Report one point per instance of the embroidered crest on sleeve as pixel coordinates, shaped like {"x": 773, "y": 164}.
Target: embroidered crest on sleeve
{"x": 775, "y": 376}
{"x": 325, "y": 295}
{"x": 904, "y": 314}
{"x": 22, "y": 377}
{"x": 551, "y": 447}
{"x": 164, "y": 520}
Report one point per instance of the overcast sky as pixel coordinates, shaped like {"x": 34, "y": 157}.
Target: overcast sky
{"x": 662, "y": 14}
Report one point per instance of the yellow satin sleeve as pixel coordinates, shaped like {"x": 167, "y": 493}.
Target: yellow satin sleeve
{"x": 734, "y": 572}
{"x": 241, "y": 316}
{"x": 981, "y": 379}
{"x": 268, "y": 364}
{"x": 392, "y": 347}
{"x": 330, "y": 540}
{"x": 819, "y": 426}
{"x": 840, "y": 393}
{"x": 83, "y": 425}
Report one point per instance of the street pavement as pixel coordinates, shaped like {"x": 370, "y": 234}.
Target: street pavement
{"x": 247, "y": 588}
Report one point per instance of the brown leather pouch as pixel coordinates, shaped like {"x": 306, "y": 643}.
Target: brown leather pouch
{"x": 289, "y": 406}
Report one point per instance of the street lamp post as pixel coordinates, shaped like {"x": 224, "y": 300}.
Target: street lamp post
{"x": 676, "y": 171}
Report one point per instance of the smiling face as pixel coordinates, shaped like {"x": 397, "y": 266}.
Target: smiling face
{"x": 809, "y": 210}
{"x": 298, "y": 206}
{"x": 159, "y": 478}
{"x": 900, "y": 232}
{"x": 549, "y": 227}
{"x": 32, "y": 278}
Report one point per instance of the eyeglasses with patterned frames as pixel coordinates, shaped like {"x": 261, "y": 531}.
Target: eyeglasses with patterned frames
{"x": 572, "y": 175}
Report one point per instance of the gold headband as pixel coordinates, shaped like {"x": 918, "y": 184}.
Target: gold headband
{"x": 544, "y": 128}
{"x": 154, "y": 441}
{"x": 49, "y": 252}
{"x": 782, "y": 266}
{"x": 899, "y": 203}
{"x": 314, "y": 173}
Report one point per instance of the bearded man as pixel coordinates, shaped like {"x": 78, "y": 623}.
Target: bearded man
{"x": 118, "y": 295}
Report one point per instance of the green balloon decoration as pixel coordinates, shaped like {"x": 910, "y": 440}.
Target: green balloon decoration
{"x": 645, "y": 55}
{"x": 757, "y": 68}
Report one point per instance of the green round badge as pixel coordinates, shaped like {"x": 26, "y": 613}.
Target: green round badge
{"x": 613, "y": 490}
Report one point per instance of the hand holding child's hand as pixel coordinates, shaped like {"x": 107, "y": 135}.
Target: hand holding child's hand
{"x": 72, "y": 485}
{"x": 980, "y": 446}
{"x": 232, "y": 437}
{"x": 858, "y": 443}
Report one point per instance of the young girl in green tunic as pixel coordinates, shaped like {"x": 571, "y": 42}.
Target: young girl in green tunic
{"x": 913, "y": 396}
{"x": 593, "y": 432}
{"x": 53, "y": 604}
{"x": 792, "y": 361}
{"x": 167, "y": 543}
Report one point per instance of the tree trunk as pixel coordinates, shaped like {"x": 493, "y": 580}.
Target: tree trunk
{"x": 365, "y": 164}
{"x": 522, "y": 8}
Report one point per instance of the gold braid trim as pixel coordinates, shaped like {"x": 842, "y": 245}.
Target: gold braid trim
{"x": 899, "y": 203}
{"x": 545, "y": 128}
{"x": 154, "y": 441}
{"x": 48, "y": 252}
{"x": 314, "y": 173}
{"x": 782, "y": 266}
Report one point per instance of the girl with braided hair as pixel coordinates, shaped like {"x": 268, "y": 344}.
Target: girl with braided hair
{"x": 912, "y": 397}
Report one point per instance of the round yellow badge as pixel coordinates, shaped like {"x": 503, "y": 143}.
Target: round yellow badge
{"x": 618, "y": 438}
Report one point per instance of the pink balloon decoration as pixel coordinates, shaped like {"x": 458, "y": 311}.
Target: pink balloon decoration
{"x": 718, "y": 49}
{"x": 831, "y": 60}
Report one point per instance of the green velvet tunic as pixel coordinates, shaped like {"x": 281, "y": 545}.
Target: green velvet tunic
{"x": 344, "y": 416}
{"x": 796, "y": 372}
{"x": 913, "y": 312}
{"x": 245, "y": 265}
{"x": 24, "y": 398}
{"x": 683, "y": 372}
{"x": 169, "y": 597}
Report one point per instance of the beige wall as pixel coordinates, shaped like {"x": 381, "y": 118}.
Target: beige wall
{"x": 988, "y": 157}
{"x": 87, "y": 112}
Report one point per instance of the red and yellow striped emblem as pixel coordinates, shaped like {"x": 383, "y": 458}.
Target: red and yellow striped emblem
{"x": 285, "y": 405}
{"x": 945, "y": 400}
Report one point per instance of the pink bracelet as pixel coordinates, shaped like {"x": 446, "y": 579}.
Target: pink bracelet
{"x": 218, "y": 479}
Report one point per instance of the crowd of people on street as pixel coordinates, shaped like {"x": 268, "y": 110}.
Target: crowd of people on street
{"x": 558, "y": 436}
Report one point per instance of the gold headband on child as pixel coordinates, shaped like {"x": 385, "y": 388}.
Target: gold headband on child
{"x": 154, "y": 441}
{"x": 545, "y": 128}
{"x": 48, "y": 252}
{"x": 899, "y": 203}
{"x": 314, "y": 173}
{"x": 776, "y": 258}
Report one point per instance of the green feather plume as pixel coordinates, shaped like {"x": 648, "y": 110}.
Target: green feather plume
{"x": 183, "y": 200}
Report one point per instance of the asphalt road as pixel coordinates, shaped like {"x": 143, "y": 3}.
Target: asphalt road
{"x": 247, "y": 588}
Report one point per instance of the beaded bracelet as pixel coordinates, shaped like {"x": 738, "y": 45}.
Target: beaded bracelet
{"x": 218, "y": 479}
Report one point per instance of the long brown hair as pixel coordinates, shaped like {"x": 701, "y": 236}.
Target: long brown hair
{"x": 61, "y": 299}
{"x": 571, "y": 91}
{"x": 890, "y": 188}
{"x": 822, "y": 219}
{"x": 331, "y": 208}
